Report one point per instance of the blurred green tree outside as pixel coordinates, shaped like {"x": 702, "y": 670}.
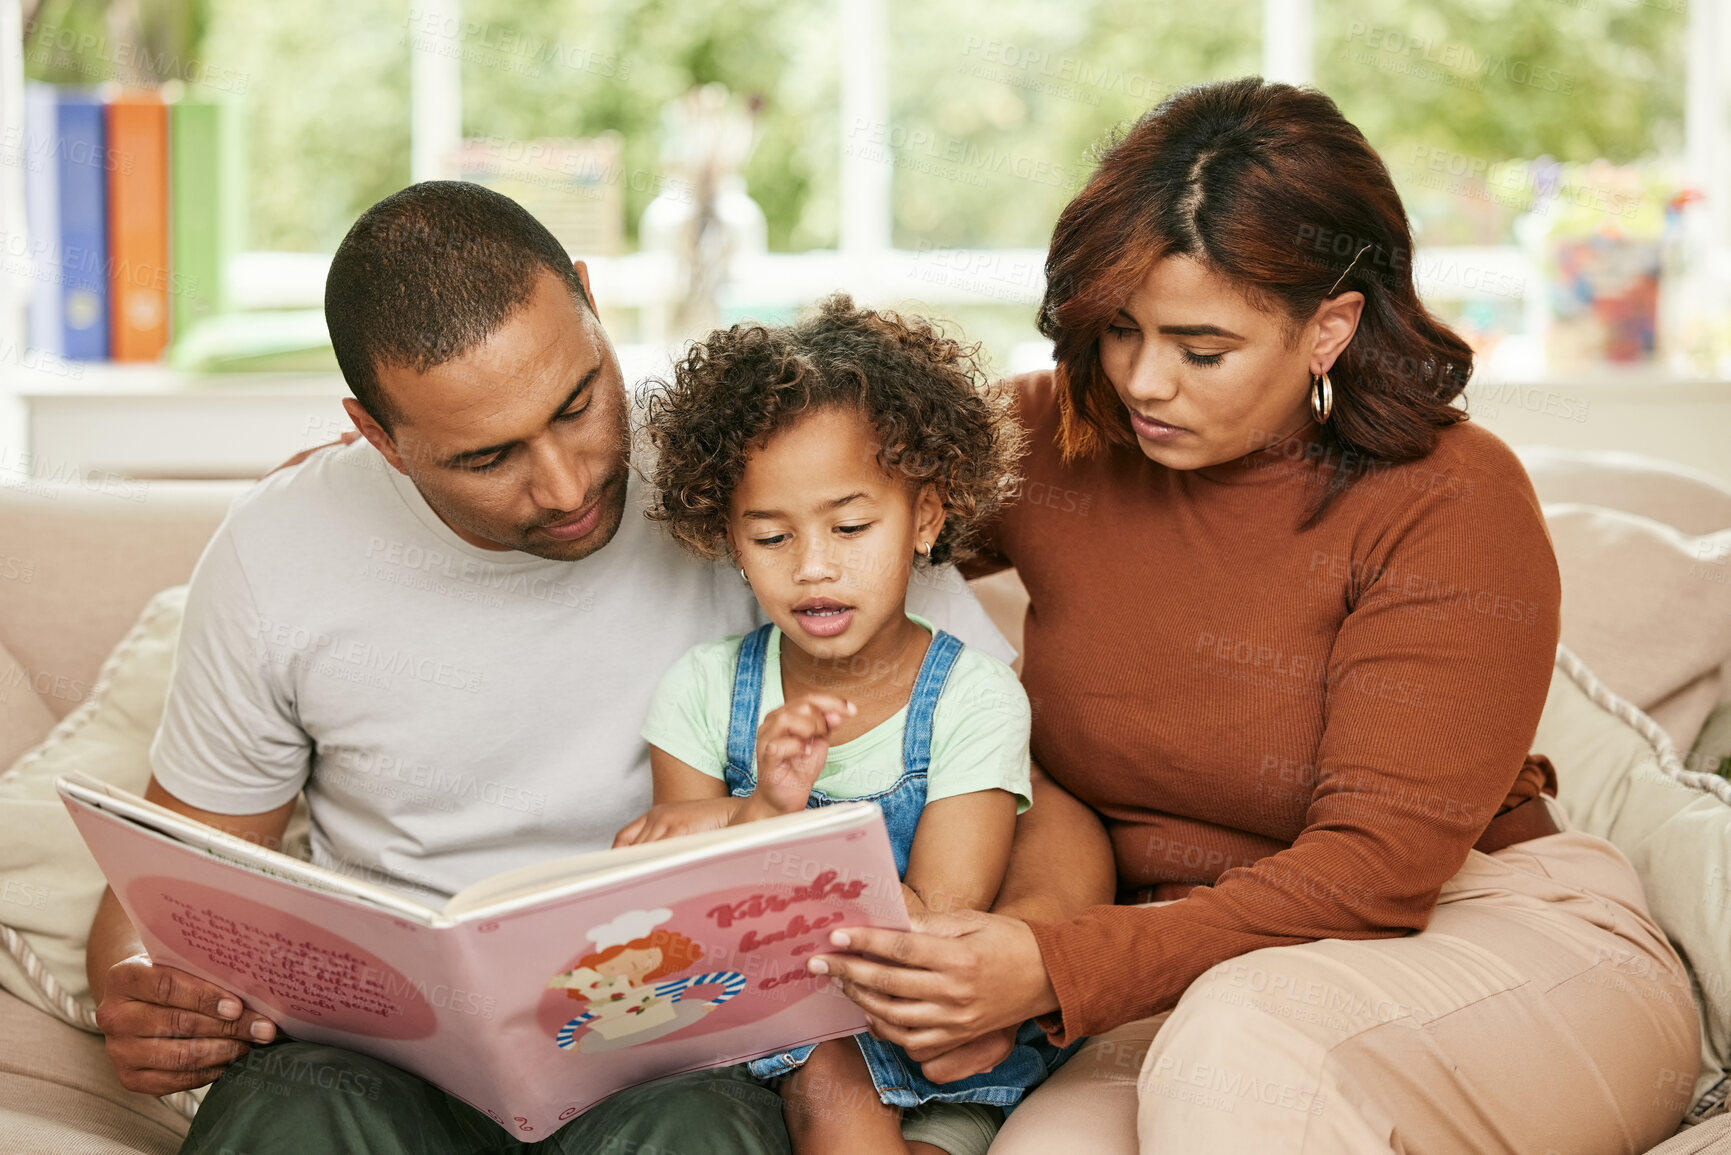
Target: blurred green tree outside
{"x": 327, "y": 111}
{"x": 585, "y": 66}
{"x": 1449, "y": 89}
{"x": 996, "y": 107}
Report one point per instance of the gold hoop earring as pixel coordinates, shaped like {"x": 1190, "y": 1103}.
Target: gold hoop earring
{"x": 1321, "y": 398}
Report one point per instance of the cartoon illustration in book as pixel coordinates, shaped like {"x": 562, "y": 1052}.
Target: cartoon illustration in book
{"x": 618, "y": 980}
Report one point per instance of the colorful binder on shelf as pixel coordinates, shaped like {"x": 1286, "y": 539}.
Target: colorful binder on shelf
{"x": 42, "y": 217}
{"x": 82, "y": 161}
{"x": 206, "y": 205}
{"x": 139, "y": 278}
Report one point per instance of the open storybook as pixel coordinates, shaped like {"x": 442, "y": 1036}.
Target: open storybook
{"x": 536, "y": 993}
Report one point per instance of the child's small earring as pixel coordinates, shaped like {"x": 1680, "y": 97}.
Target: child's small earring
{"x": 742, "y": 576}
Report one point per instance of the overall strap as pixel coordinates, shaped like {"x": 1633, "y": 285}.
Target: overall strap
{"x": 747, "y": 697}
{"x": 941, "y": 657}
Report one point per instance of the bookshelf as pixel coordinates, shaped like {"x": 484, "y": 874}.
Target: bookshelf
{"x": 148, "y": 421}
{"x": 145, "y": 421}
{"x": 152, "y": 420}
{"x": 14, "y": 287}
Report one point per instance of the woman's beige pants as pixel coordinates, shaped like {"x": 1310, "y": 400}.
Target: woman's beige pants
{"x": 1540, "y": 1012}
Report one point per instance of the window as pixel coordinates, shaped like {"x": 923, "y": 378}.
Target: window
{"x": 931, "y": 145}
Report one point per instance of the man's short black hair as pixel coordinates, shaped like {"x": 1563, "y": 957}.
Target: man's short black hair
{"x": 427, "y": 274}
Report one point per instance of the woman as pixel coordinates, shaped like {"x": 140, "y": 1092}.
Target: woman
{"x": 1291, "y": 627}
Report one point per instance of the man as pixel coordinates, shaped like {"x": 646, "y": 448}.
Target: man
{"x": 446, "y": 636}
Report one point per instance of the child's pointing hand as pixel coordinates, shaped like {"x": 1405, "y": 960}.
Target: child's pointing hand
{"x": 792, "y": 744}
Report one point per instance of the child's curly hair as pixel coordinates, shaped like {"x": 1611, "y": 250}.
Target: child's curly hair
{"x": 937, "y": 419}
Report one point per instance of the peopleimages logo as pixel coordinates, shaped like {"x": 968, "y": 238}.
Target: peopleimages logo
{"x": 370, "y": 771}
{"x": 1541, "y": 185}
{"x": 353, "y": 659}
{"x": 1448, "y": 62}
{"x": 434, "y": 31}
{"x": 1061, "y": 68}
{"x": 952, "y": 158}
{"x": 409, "y": 564}
{"x": 95, "y": 56}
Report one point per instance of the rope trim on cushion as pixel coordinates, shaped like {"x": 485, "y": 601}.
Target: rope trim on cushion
{"x": 1669, "y": 763}
{"x": 67, "y": 1008}
{"x": 70, "y": 1010}
{"x": 1714, "y": 1102}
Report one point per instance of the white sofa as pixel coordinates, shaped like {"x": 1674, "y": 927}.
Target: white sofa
{"x": 77, "y": 565}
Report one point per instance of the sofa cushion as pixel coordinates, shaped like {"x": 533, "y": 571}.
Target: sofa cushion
{"x": 1676, "y": 495}
{"x": 1619, "y": 773}
{"x": 59, "y": 1093}
{"x": 1619, "y": 777}
{"x": 1648, "y": 608}
{"x": 97, "y": 551}
{"x": 52, "y": 881}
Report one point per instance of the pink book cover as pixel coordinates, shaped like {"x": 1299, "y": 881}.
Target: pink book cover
{"x": 532, "y": 995}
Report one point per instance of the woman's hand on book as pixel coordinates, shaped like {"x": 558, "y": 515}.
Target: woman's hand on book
{"x": 792, "y": 745}
{"x": 170, "y": 1031}
{"x": 946, "y": 991}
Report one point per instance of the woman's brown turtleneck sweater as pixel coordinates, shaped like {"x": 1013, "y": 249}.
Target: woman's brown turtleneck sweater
{"x": 1317, "y": 724}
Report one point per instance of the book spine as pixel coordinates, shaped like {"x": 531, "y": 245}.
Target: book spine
{"x": 138, "y": 279}
{"x": 42, "y": 217}
{"x": 82, "y": 160}
{"x": 205, "y": 206}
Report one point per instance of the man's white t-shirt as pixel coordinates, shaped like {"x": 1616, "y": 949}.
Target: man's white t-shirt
{"x": 451, "y": 712}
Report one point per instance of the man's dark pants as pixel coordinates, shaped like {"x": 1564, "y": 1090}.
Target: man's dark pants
{"x": 296, "y": 1098}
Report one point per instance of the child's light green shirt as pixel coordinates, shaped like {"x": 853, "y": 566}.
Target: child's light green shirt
{"x": 979, "y": 730}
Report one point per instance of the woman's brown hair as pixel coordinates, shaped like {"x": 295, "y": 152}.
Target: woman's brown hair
{"x": 1271, "y": 187}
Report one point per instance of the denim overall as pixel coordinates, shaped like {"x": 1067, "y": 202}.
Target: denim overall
{"x": 897, "y": 1077}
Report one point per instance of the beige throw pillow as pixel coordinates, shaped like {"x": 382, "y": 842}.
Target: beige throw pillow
{"x": 1619, "y": 777}
{"x": 1648, "y": 608}
{"x": 51, "y": 880}
{"x": 1662, "y": 490}
{"x": 24, "y": 716}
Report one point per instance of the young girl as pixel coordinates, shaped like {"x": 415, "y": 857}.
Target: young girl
{"x": 832, "y": 461}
